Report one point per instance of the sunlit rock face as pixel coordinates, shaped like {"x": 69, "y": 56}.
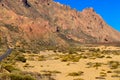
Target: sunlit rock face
{"x": 46, "y": 23}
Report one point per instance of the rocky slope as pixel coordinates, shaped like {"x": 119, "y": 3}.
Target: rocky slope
{"x": 37, "y": 23}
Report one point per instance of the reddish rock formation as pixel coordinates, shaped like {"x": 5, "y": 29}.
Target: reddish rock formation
{"x": 52, "y": 25}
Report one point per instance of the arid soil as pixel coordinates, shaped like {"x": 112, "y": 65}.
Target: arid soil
{"x": 103, "y": 66}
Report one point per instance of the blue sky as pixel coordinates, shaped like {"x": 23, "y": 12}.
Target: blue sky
{"x": 108, "y": 9}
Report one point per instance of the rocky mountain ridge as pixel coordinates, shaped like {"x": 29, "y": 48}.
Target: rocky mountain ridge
{"x": 37, "y": 23}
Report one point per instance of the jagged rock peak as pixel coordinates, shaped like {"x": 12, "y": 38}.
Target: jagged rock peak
{"x": 89, "y": 10}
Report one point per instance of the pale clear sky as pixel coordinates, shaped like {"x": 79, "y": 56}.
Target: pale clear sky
{"x": 108, "y": 9}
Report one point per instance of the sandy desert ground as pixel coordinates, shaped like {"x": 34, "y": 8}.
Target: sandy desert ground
{"x": 101, "y": 65}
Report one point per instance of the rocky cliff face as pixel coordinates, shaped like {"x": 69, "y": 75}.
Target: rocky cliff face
{"x": 37, "y": 23}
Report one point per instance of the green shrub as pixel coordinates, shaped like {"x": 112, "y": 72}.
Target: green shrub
{"x": 113, "y": 64}
{"x": 28, "y": 77}
{"x": 16, "y": 77}
{"x": 70, "y": 57}
{"x": 55, "y": 72}
{"x": 41, "y": 58}
{"x": 96, "y": 65}
{"x": 102, "y": 74}
{"x": 21, "y": 77}
{"x": 76, "y": 73}
{"x": 10, "y": 68}
{"x": 21, "y": 58}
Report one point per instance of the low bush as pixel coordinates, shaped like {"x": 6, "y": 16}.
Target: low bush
{"x": 41, "y": 58}
{"x": 10, "y": 68}
{"x": 114, "y": 64}
{"x": 70, "y": 57}
{"x": 21, "y": 77}
{"x": 21, "y": 58}
{"x": 76, "y": 73}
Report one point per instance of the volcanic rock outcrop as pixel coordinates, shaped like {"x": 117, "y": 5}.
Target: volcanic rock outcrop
{"x": 37, "y": 23}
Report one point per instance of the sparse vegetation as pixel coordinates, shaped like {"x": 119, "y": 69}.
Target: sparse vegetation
{"x": 78, "y": 79}
{"x": 16, "y": 76}
{"x": 96, "y": 65}
{"x": 70, "y": 57}
{"x": 42, "y": 58}
{"x": 21, "y": 77}
{"x": 114, "y": 64}
{"x": 99, "y": 78}
{"x": 21, "y": 58}
{"x": 51, "y": 72}
{"x": 79, "y": 73}
{"x": 66, "y": 59}
{"x": 109, "y": 71}
{"x": 10, "y": 68}
{"x": 103, "y": 74}
{"x": 115, "y": 76}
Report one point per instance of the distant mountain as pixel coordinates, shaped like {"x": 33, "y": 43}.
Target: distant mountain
{"x": 34, "y": 24}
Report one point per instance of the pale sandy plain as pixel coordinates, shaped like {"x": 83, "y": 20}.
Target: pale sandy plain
{"x": 51, "y": 64}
